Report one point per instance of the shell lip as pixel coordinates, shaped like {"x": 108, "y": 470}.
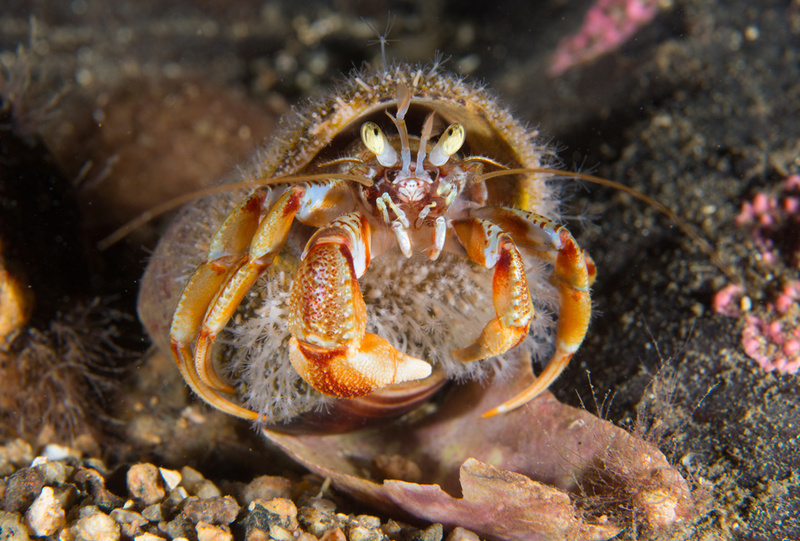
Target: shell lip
{"x": 481, "y": 134}
{"x": 348, "y": 415}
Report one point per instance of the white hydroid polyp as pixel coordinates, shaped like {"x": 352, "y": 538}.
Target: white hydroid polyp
{"x": 423, "y": 308}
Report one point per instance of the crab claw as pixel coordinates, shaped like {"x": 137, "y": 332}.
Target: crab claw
{"x": 573, "y": 275}
{"x": 358, "y": 370}
{"x": 330, "y": 347}
{"x": 488, "y": 245}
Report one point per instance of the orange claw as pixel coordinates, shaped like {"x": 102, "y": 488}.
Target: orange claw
{"x": 330, "y": 347}
{"x": 489, "y": 246}
{"x": 573, "y": 275}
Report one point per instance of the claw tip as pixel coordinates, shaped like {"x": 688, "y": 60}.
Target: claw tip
{"x": 494, "y": 411}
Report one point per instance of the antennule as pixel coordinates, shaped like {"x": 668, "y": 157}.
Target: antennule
{"x": 403, "y": 102}
{"x": 427, "y": 128}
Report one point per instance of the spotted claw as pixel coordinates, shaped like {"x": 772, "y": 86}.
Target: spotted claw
{"x": 330, "y": 347}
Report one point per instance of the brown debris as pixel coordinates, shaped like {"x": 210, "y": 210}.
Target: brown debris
{"x": 504, "y": 482}
{"x": 188, "y": 131}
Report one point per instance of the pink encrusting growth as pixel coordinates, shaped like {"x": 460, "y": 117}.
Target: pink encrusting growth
{"x": 773, "y": 340}
{"x": 775, "y": 222}
{"x": 607, "y": 25}
{"x": 771, "y": 334}
{"x": 723, "y": 300}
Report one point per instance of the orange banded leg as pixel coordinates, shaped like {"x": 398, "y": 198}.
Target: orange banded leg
{"x": 198, "y": 294}
{"x": 573, "y": 274}
{"x": 330, "y": 347}
{"x": 239, "y": 252}
{"x": 489, "y": 246}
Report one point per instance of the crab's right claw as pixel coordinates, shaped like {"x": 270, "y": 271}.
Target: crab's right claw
{"x": 330, "y": 347}
{"x": 573, "y": 275}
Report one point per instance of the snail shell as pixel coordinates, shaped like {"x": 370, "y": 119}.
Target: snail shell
{"x": 423, "y": 308}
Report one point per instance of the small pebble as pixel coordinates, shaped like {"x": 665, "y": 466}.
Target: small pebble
{"x": 364, "y": 528}
{"x": 171, "y": 478}
{"x": 144, "y": 483}
{"x": 13, "y": 455}
{"x": 148, "y": 537}
{"x": 176, "y": 497}
{"x": 211, "y": 532}
{"x": 96, "y": 464}
{"x": 218, "y": 510}
{"x": 194, "y": 482}
{"x": 277, "y": 516}
{"x": 335, "y": 534}
{"x": 283, "y": 511}
{"x": 462, "y": 534}
{"x": 266, "y": 487}
{"x": 12, "y": 528}
{"x": 433, "y": 532}
{"x": 279, "y": 534}
{"x": 207, "y": 489}
{"x": 317, "y": 521}
{"x": 191, "y": 478}
{"x": 392, "y": 529}
{"x": 93, "y": 481}
{"x": 368, "y": 521}
{"x": 179, "y": 527}
{"x": 359, "y": 532}
{"x": 46, "y": 515}
{"x": 129, "y": 522}
{"x": 22, "y": 487}
{"x": 93, "y": 525}
{"x": 60, "y": 452}
{"x": 153, "y": 513}
{"x": 55, "y": 473}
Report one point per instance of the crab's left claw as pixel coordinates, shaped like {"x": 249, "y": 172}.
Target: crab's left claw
{"x": 488, "y": 245}
{"x": 330, "y": 347}
{"x": 573, "y": 275}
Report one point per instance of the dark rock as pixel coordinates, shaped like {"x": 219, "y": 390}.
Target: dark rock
{"x": 217, "y": 510}
{"x": 22, "y": 488}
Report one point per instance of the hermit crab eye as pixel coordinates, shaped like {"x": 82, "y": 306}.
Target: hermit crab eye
{"x": 376, "y": 142}
{"x": 449, "y": 143}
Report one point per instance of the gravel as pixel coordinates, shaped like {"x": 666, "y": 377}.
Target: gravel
{"x": 68, "y": 499}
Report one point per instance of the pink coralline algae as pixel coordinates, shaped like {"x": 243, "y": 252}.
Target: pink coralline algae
{"x": 775, "y": 222}
{"x": 773, "y": 341}
{"x": 607, "y": 25}
{"x": 771, "y": 334}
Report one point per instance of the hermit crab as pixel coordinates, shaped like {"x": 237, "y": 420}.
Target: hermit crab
{"x": 401, "y": 232}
